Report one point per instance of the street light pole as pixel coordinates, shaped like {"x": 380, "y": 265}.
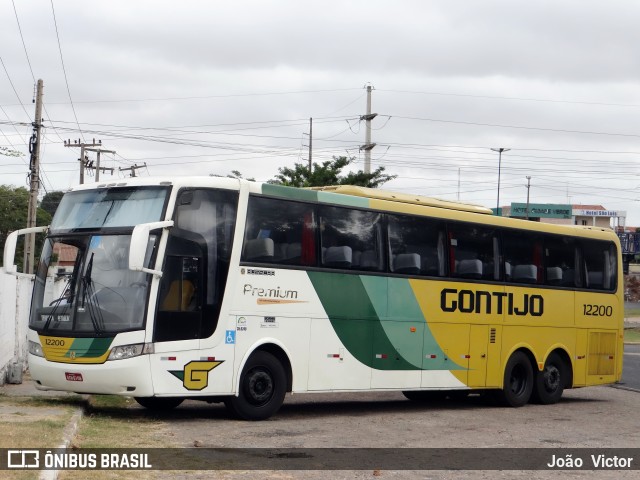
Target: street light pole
{"x": 499, "y": 150}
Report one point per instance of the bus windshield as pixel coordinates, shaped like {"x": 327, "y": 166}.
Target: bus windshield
{"x": 84, "y": 286}
{"x": 110, "y": 207}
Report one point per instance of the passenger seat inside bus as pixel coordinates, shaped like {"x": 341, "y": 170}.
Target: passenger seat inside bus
{"x": 470, "y": 269}
{"x": 408, "y": 263}
{"x": 258, "y": 249}
{"x": 554, "y": 275}
{"x": 525, "y": 274}
{"x": 338, "y": 257}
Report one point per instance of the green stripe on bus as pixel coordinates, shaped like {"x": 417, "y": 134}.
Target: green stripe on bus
{"x": 379, "y": 321}
{"x": 90, "y": 347}
{"x": 314, "y": 196}
{"x": 345, "y": 200}
{"x": 290, "y": 192}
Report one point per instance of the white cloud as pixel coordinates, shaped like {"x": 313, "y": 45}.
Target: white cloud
{"x": 456, "y": 77}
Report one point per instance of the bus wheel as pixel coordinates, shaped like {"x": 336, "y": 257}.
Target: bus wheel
{"x": 263, "y": 386}
{"x": 550, "y": 382}
{"x": 159, "y": 403}
{"x": 518, "y": 381}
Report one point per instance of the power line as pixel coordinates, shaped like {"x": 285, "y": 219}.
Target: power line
{"x": 525, "y": 99}
{"x": 64, "y": 70}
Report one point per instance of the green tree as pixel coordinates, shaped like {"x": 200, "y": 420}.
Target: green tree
{"x": 234, "y": 174}
{"x": 329, "y": 173}
{"x": 7, "y": 152}
{"x": 14, "y": 205}
{"x": 51, "y": 201}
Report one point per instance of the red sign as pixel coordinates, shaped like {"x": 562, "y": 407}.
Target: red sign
{"x": 73, "y": 377}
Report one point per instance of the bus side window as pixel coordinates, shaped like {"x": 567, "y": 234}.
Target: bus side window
{"x": 472, "y": 252}
{"x": 280, "y": 231}
{"x": 599, "y": 265}
{"x": 559, "y": 261}
{"x": 416, "y": 245}
{"x": 522, "y": 256}
{"x": 351, "y": 239}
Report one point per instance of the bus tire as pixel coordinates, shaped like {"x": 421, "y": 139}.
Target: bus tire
{"x": 550, "y": 382}
{"x": 263, "y": 385}
{"x": 518, "y": 381}
{"x": 159, "y": 403}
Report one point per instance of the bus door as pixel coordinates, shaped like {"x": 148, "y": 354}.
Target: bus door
{"x": 179, "y": 311}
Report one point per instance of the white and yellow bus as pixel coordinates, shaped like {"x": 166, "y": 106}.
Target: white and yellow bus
{"x": 227, "y": 290}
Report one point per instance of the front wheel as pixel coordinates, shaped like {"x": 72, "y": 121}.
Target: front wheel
{"x": 159, "y": 403}
{"x": 263, "y": 386}
{"x": 518, "y": 381}
{"x": 551, "y": 381}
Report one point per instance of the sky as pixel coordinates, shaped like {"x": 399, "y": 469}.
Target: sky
{"x": 206, "y": 88}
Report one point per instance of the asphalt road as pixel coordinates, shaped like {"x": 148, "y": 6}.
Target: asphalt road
{"x": 631, "y": 367}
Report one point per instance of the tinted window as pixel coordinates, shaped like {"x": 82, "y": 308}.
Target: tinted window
{"x": 280, "y": 231}
{"x": 351, "y": 239}
{"x": 522, "y": 257}
{"x": 599, "y": 265}
{"x": 473, "y": 251}
{"x": 560, "y": 261}
{"x": 416, "y": 245}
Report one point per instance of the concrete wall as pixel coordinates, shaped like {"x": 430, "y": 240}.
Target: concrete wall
{"x": 15, "y": 300}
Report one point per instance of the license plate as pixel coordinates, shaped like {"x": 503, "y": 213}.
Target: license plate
{"x": 73, "y": 377}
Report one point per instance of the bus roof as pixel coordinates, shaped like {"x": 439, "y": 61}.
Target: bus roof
{"x": 404, "y": 198}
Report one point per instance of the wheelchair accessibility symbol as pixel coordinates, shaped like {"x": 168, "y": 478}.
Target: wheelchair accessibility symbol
{"x": 230, "y": 337}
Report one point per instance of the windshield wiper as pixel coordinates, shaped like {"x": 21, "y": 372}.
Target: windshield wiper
{"x": 56, "y": 304}
{"x": 89, "y": 297}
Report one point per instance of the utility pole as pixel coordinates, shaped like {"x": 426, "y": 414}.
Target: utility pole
{"x": 528, "y": 187}
{"x": 83, "y": 159}
{"x": 499, "y": 150}
{"x": 310, "y": 144}
{"x": 368, "y": 146}
{"x": 98, "y": 167}
{"x": 133, "y": 168}
{"x": 34, "y": 174}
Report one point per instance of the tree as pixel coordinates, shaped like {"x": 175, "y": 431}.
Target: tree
{"x": 14, "y": 205}
{"x": 329, "y": 173}
{"x": 234, "y": 174}
{"x": 51, "y": 201}
{"x": 7, "y": 152}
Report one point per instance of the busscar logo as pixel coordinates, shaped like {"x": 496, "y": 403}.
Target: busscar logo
{"x": 23, "y": 459}
{"x": 253, "y": 271}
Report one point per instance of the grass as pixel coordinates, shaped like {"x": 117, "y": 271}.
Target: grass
{"x": 33, "y": 423}
{"x": 109, "y": 422}
{"x": 632, "y": 312}
{"x": 632, "y": 335}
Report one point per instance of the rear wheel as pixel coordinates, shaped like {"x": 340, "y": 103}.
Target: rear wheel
{"x": 263, "y": 386}
{"x": 518, "y": 381}
{"x": 550, "y": 382}
{"x": 159, "y": 403}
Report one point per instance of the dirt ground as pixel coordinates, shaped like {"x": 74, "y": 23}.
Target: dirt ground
{"x": 594, "y": 417}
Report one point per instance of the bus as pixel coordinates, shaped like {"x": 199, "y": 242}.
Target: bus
{"x": 232, "y": 291}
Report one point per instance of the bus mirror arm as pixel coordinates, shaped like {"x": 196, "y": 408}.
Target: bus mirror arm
{"x": 10, "y": 248}
{"x": 138, "y": 247}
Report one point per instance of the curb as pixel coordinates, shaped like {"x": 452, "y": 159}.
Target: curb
{"x": 67, "y": 435}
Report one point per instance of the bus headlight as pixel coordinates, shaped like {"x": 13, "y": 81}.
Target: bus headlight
{"x": 130, "y": 351}
{"x": 35, "y": 349}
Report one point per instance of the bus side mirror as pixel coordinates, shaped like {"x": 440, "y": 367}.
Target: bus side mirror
{"x": 139, "y": 242}
{"x": 10, "y": 248}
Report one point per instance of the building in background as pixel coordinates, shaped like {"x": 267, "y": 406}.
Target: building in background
{"x": 565, "y": 214}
